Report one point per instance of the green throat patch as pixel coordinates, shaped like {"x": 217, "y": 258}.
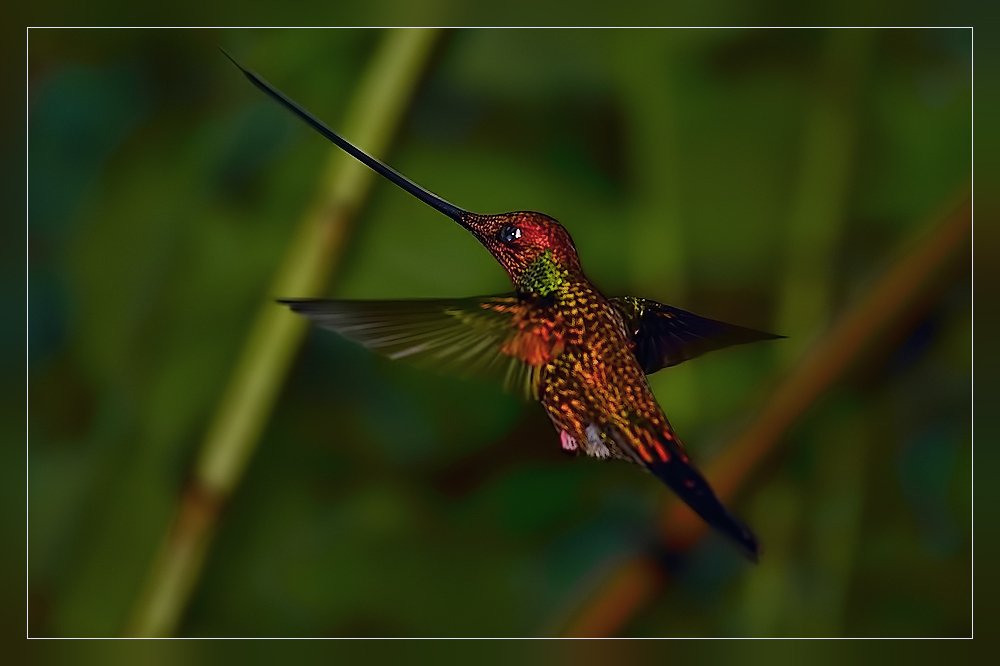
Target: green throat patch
{"x": 543, "y": 276}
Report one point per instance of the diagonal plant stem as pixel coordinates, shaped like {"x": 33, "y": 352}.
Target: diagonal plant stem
{"x": 918, "y": 276}
{"x": 890, "y": 301}
{"x": 276, "y": 334}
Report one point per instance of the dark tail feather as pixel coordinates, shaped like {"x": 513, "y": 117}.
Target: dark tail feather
{"x": 692, "y": 487}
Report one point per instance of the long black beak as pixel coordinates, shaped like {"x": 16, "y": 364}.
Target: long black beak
{"x": 429, "y": 198}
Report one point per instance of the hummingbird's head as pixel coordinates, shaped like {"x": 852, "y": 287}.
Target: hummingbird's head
{"x": 518, "y": 239}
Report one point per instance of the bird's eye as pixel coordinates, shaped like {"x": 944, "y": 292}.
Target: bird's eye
{"x": 509, "y": 233}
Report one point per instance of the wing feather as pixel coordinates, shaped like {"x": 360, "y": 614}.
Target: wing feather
{"x": 664, "y": 335}
{"x": 469, "y": 336}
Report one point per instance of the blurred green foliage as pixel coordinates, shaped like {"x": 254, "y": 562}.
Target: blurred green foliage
{"x": 390, "y": 501}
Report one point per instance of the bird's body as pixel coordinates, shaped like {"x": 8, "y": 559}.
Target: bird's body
{"x": 588, "y": 378}
{"x": 555, "y": 339}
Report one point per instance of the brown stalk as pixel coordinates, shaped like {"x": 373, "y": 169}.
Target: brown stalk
{"x": 930, "y": 259}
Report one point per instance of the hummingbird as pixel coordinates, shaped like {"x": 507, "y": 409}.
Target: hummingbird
{"x": 555, "y": 339}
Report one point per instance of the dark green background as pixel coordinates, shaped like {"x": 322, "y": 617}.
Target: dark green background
{"x": 385, "y": 500}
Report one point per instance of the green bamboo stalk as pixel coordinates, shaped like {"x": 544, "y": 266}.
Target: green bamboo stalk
{"x": 276, "y": 334}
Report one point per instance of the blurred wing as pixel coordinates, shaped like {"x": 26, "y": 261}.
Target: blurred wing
{"x": 471, "y": 336}
{"x": 665, "y": 335}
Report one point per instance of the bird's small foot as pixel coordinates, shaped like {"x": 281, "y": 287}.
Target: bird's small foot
{"x": 567, "y": 440}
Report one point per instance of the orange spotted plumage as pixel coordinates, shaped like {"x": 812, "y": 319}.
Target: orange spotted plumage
{"x": 555, "y": 339}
